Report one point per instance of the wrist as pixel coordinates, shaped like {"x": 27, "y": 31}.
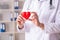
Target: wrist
{"x": 41, "y": 26}
{"x": 20, "y": 27}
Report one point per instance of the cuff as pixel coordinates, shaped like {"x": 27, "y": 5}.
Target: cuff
{"x": 20, "y": 29}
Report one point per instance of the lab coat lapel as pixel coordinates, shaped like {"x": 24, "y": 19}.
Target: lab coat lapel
{"x": 53, "y": 14}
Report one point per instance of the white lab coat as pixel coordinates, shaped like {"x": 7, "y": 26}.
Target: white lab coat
{"x": 50, "y": 18}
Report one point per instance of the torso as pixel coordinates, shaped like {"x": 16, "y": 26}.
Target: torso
{"x": 35, "y": 33}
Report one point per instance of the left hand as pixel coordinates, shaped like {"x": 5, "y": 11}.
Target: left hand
{"x": 35, "y": 19}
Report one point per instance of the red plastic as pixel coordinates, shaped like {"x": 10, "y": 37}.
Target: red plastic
{"x": 26, "y": 15}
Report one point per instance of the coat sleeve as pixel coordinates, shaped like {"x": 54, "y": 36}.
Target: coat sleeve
{"x": 19, "y": 30}
{"x": 54, "y": 27}
{"x": 25, "y": 6}
{"x": 27, "y": 26}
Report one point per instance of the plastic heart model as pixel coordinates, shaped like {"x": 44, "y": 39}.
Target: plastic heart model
{"x": 26, "y": 15}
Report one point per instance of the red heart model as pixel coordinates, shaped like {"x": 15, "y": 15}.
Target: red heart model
{"x": 26, "y": 15}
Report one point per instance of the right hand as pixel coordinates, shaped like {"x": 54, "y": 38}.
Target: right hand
{"x": 20, "y": 21}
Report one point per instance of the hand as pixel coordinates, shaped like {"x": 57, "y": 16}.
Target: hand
{"x": 20, "y": 21}
{"x": 35, "y": 20}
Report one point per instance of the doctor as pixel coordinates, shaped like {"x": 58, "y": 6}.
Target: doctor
{"x": 44, "y": 23}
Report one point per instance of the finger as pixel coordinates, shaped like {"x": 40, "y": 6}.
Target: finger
{"x": 20, "y": 22}
{"x": 34, "y": 13}
{"x": 32, "y": 17}
{"x": 19, "y": 19}
{"x": 22, "y": 17}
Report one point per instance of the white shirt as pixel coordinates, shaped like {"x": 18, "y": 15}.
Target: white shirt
{"x": 46, "y": 16}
